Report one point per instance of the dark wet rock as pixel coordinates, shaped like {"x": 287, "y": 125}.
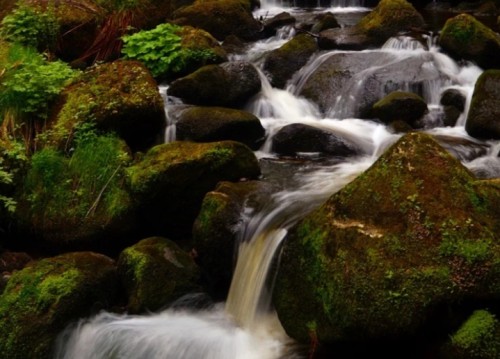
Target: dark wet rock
{"x": 461, "y": 148}
{"x": 348, "y": 270}
{"x": 233, "y": 45}
{"x": 297, "y": 137}
{"x": 324, "y": 22}
{"x": 346, "y": 85}
{"x": 155, "y": 272}
{"x": 483, "y": 119}
{"x": 273, "y": 24}
{"x": 229, "y": 84}
{"x": 347, "y": 38}
{"x": 464, "y": 37}
{"x": 47, "y": 295}
{"x": 208, "y": 124}
{"x": 215, "y": 231}
{"x": 169, "y": 183}
{"x": 453, "y": 102}
{"x": 221, "y": 18}
{"x": 283, "y": 62}
{"x": 401, "y": 106}
{"x": 120, "y": 97}
{"x": 453, "y": 97}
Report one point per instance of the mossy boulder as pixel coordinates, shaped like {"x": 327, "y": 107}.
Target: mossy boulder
{"x": 169, "y": 183}
{"x": 389, "y": 18}
{"x": 401, "y": 106}
{"x": 477, "y": 338}
{"x": 483, "y": 119}
{"x": 324, "y": 22}
{"x": 297, "y": 137}
{"x": 220, "y": 18}
{"x": 79, "y": 202}
{"x": 282, "y": 63}
{"x": 120, "y": 97}
{"x": 465, "y": 37}
{"x": 229, "y": 84}
{"x": 215, "y": 231}
{"x": 410, "y": 235}
{"x": 155, "y": 272}
{"x": 208, "y": 124}
{"x": 47, "y": 295}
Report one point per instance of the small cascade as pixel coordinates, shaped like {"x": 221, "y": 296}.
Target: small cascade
{"x": 170, "y": 133}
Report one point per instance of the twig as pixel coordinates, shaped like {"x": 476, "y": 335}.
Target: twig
{"x": 96, "y": 202}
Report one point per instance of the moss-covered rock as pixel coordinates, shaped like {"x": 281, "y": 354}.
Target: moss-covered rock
{"x": 220, "y": 18}
{"x": 120, "y": 97}
{"x": 401, "y": 106}
{"x": 208, "y": 124}
{"x": 46, "y": 296}
{"x": 229, "y": 84}
{"x": 324, "y": 22}
{"x": 215, "y": 231}
{"x": 155, "y": 272}
{"x": 483, "y": 119}
{"x": 477, "y": 338}
{"x": 389, "y": 18}
{"x": 283, "y": 62}
{"x": 410, "y": 235}
{"x": 465, "y": 37}
{"x": 169, "y": 183}
{"x": 79, "y": 202}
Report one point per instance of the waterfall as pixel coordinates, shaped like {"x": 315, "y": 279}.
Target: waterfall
{"x": 246, "y": 326}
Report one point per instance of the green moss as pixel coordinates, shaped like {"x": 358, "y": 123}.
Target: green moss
{"x": 478, "y": 337}
{"x": 388, "y": 18}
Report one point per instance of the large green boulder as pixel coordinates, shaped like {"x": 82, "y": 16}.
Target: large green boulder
{"x": 48, "y": 295}
{"x": 411, "y": 235}
{"x": 155, "y": 272}
{"x": 120, "y": 97}
{"x": 220, "y": 18}
{"x": 465, "y": 37}
{"x": 169, "y": 183}
{"x": 483, "y": 119}
{"x": 208, "y": 124}
{"x": 389, "y": 18}
{"x": 283, "y": 62}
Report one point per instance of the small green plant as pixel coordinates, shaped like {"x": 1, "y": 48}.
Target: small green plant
{"x": 12, "y": 162}
{"x": 161, "y": 50}
{"x": 30, "y": 26}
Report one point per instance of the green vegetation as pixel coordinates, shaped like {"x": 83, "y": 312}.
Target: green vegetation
{"x": 29, "y": 84}
{"x": 31, "y": 26}
{"x": 478, "y": 337}
{"x": 161, "y": 50}
{"x": 63, "y": 190}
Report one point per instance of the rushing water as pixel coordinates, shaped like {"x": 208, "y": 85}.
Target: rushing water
{"x": 246, "y": 325}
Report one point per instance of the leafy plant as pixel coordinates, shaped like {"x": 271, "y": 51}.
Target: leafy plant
{"x": 30, "y": 26}
{"x": 28, "y": 85}
{"x": 161, "y": 50}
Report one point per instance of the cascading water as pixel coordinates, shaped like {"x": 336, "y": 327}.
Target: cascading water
{"x": 246, "y": 325}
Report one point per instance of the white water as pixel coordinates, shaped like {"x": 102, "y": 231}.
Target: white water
{"x": 246, "y": 325}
